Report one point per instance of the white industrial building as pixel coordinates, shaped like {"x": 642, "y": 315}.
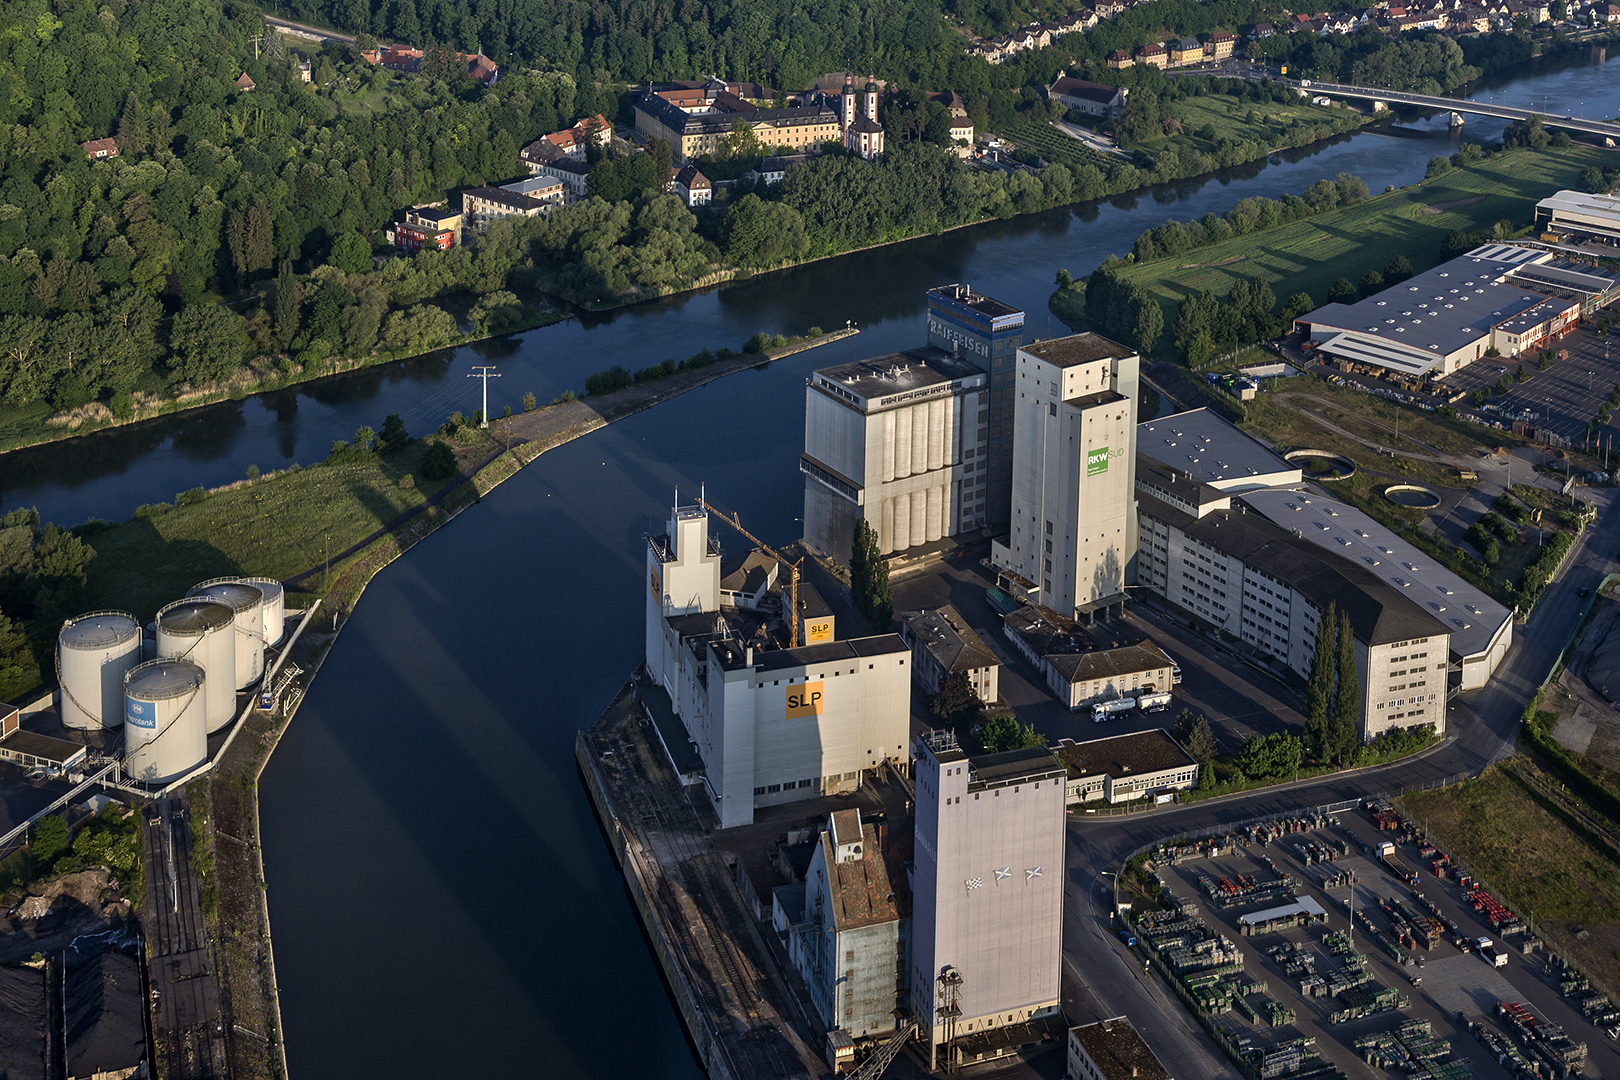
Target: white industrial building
{"x": 897, "y": 440}
{"x": 771, "y": 724}
{"x": 1205, "y": 446}
{"x": 1498, "y": 296}
{"x": 1588, "y": 214}
{"x": 1267, "y": 585}
{"x": 942, "y": 643}
{"x": 1480, "y": 628}
{"x": 987, "y": 893}
{"x": 1123, "y": 768}
{"x": 1077, "y": 674}
{"x": 1074, "y": 474}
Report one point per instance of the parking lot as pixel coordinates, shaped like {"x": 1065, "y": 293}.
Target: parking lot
{"x": 1562, "y": 399}
{"x": 1312, "y": 974}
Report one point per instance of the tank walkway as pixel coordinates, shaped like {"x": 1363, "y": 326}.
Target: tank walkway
{"x": 739, "y": 1012}
{"x": 189, "y": 1037}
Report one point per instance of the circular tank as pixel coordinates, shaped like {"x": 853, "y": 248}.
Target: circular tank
{"x": 203, "y": 632}
{"x": 275, "y": 608}
{"x": 92, "y": 653}
{"x": 165, "y": 733}
{"x": 247, "y": 601}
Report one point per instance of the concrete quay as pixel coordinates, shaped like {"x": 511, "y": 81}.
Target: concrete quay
{"x": 743, "y": 1019}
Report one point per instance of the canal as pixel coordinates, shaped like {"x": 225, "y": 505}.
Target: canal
{"x": 442, "y": 900}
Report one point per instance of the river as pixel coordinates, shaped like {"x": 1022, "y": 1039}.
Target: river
{"x": 442, "y": 900}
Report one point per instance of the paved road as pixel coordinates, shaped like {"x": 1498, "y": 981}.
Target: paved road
{"x": 1102, "y": 979}
{"x": 317, "y": 33}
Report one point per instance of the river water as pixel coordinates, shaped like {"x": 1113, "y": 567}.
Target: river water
{"x": 443, "y": 902}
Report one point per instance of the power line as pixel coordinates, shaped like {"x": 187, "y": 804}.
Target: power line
{"x": 485, "y": 372}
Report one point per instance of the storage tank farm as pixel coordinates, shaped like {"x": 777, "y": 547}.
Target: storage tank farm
{"x": 275, "y": 609}
{"x": 247, "y": 602}
{"x": 92, "y": 654}
{"x": 203, "y": 632}
{"x": 165, "y": 725}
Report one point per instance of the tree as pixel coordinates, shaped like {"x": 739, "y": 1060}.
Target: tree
{"x": 1196, "y": 736}
{"x": 439, "y": 461}
{"x": 393, "y": 434}
{"x": 1003, "y": 733}
{"x": 756, "y": 232}
{"x": 351, "y": 253}
{"x": 1149, "y": 326}
{"x": 364, "y": 437}
{"x": 1347, "y": 700}
{"x": 869, "y": 578}
{"x": 50, "y": 839}
{"x": 1266, "y": 757}
{"x": 1342, "y": 291}
{"x": 209, "y": 341}
{"x": 1398, "y": 269}
{"x": 1372, "y": 281}
{"x": 957, "y": 701}
{"x": 1319, "y": 686}
{"x": 286, "y": 304}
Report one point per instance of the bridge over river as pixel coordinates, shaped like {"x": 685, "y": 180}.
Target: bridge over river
{"x": 1458, "y": 105}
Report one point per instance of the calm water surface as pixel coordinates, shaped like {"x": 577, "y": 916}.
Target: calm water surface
{"x": 443, "y": 902}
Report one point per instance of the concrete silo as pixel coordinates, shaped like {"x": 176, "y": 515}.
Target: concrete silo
{"x": 92, "y": 653}
{"x": 165, "y": 731}
{"x": 248, "y": 604}
{"x": 275, "y": 609}
{"x": 203, "y": 632}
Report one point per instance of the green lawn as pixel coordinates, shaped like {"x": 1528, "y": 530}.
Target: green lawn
{"x": 1229, "y": 117}
{"x": 1309, "y": 255}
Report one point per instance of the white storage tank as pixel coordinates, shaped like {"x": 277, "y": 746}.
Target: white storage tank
{"x": 275, "y": 609}
{"x": 165, "y": 730}
{"x": 92, "y": 653}
{"x": 204, "y": 632}
{"x": 248, "y": 604}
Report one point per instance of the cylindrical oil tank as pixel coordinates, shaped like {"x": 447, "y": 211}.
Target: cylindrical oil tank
{"x": 247, "y": 601}
{"x": 203, "y": 631}
{"x": 92, "y": 653}
{"x": 275, "y": 609}
{"x": 165, "y": 733}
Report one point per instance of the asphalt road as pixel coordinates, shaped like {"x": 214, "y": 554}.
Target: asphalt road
{"x": 1103, "y": 979}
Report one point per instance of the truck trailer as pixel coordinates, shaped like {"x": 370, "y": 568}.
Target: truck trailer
{"x": 1154, "y": 702}
{"x": 1109, "y": 710}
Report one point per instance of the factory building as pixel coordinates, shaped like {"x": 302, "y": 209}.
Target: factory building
{"x": 987, "y": 332}
{"x": 772, "y": 724}
{"x": 1126, "y": 767}
{"x": 1203, "y": 445}
{"x": 900, "y": 441}
{"x": 1267, "y": 585}
{"x": 848, "y": 925}
{"x": 987, "y": 894}
{"x": 1580, "y": 213}
{"x": 1498, "y": 296}
{"x": 942, "y": 643}
{"x": 1111, "y": 1050}
{"x": 1073, "y": 536}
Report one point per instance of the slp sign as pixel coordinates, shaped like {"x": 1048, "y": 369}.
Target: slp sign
{"x": 804, "y": 700}
{"x": 1097, "y": 461}
{"x": 817, "y": 631}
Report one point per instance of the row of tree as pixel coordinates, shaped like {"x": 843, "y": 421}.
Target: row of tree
{"x": 1333, "y": 698}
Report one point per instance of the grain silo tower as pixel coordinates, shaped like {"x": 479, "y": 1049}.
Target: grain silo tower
{"x": 165, "y": 733}
{"x": 92, "y": 653}
{"x": 203, "y": 632}
{"x": 275, "y": 609}
{"x": 247, "y": 602}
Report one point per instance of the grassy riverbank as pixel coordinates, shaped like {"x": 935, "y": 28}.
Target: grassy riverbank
{"x": 1309, "y": 255}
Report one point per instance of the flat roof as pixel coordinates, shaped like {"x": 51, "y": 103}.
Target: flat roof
{"x": 881, "y": 377}
{"x": 1077, "y": 349}
{"x": 43, "y": 747}
{"x": 1580, "y": 207}
{"x": 1124, "y": 755}
{"x": 1303, "y": 906}
{"x": 1012, "y": 766}
{"x": 1204, "y": 446}
{"x": 1469, "y": 614}
{"x": 949, "y": 639}
{"x": 732, "y": 655}
{"x": 964, "y": 296}
{"x": 1118, "y": 1051}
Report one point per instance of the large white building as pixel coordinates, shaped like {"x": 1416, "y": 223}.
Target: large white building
{"x": 1206, "y": 447}
{"x": 898, "y": 440}
{"x": 1073, "y": 533}
{"x": 987, "y": 890}
{"x": 771, "y": 724}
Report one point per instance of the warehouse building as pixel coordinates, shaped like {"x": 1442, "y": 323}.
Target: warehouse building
{"x": 987, "y": 886}
{"x": 942, "y": 643}
{"x": 1267, "y": 585}
{"x": 1078, "y": 674}
{"x": 1480, "y": 628}
{"x": 1593, "y": 216}
{"x": 771, "y": 724}
{"x": 1126, "y": 767}
{"x": 1111, "y": 1050}
{"x": 848, "y": 925}
{"x": 1073, "y": 534}
{"x": 987, "y": 332}
{"x": 1500, "y": 296}
{"x": 1203, "y": 445}
{"x": 896, "y": 440}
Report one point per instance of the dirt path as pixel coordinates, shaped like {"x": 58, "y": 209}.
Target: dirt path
{"x": 1436, "y": 455}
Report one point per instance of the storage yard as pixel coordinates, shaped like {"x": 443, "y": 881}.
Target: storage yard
{"x": 1305, "y": 945}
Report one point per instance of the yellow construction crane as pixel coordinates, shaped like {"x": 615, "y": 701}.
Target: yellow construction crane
{"x": 793, "y": 570}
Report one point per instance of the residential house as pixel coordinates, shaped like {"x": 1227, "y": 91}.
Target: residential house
{"x": 942, "y": 644}
{"x": 772, "y": 170}
{"x": 1093, "y": 99}
{"x": 480, "y": 206}
{"x": 572, "y": 174}
{"x": 1154, "y": 55}
{"x": 432, "y": 228}
{"x": 961, "y": 123}
{"x": 1186, "y": 51}
{"x": 244, "y": 83}
{"x": 96, "y": 149}
{"x": 306, "y": 71}
{"x": 571, "y": 142}
{"x": 1108, "y": 9}
{"x": 1219, "y": 45}
{"x": 1262, "y": 30}
{"x": 1119, "y": 59}
{"x": 479, "y": 67}
{"x": 692, "y": 186}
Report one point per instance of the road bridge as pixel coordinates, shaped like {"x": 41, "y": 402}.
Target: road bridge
{"x": 1458, "y": 105}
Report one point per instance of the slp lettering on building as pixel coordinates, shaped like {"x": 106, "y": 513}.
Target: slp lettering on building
{"x": 804, "y": 700}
